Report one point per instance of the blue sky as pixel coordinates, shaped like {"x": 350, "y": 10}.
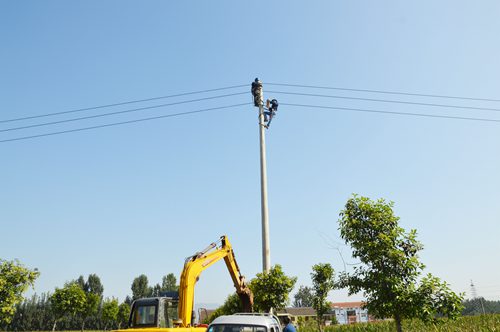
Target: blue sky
{"x": 139, "y": 198}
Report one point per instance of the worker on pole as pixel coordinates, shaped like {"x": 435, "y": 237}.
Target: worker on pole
{"x": 272, "y": 108}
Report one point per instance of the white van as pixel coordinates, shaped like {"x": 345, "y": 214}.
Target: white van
{"x": 246, "y": 322}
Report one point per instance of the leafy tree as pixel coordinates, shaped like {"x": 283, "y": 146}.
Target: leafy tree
{"x": 231, "y": 306}
{"x": 391, "y": 267}
{"x": 305, "y": 324}
{"x": 93, "y": 289}
{"x": 123, "y": 314}
{"x": 156, "y": 290}
{"x": 14, "y": 281}
{"x": 271, "y": 289}
{"x": 434, "y": 297}
{"x": 169, "y": 283}
{"x": 69, "y": 300}
{"x": 303, "y": 297}
{"x": 32, "y": 314}
{"x": 140, "y": 287}
{"x": 81, "y": 282}
{"x": 110, "y": 311}
{"x": 94, "y": 285}
{"x": 90, "y": 308}
{"x": 322, "y": 279}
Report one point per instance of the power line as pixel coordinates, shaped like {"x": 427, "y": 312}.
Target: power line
{"x": 395, "y": 113}
{"x": 124, "y": 103}
{"x": 388, "y": 101}
{"x": 120, "y": 112}
{"x": 383, "y": 92}
{"x": 122, "y": 123}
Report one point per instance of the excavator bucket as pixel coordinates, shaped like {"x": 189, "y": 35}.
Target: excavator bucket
{"x": 246, "y": 298}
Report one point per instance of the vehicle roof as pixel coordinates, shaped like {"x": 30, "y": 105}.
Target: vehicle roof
{"x": 153, "y": 299}
{"x": 263, "y": 320}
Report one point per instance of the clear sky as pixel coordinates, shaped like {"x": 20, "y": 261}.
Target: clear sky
{"x": 139, "y": 198}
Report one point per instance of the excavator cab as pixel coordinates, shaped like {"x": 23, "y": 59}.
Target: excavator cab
{"x": 155, "y": 312}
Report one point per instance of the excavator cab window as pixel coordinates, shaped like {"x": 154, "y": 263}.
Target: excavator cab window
{"x": 154, "y": 312}
{"x": 169, "y": 313}
{"x": 144, "y": 315}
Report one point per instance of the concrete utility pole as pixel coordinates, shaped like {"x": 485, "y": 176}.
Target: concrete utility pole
{"x": 259, "y": 102}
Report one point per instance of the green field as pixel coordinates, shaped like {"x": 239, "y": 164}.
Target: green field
{"x": 483, "y": 323}
{"x": 489, "y": 323}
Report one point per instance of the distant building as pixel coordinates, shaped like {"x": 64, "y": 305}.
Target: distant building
{"x": 350, "y": 312}
{"x": 343, "y": 312}
{"x": 296, "y": 314}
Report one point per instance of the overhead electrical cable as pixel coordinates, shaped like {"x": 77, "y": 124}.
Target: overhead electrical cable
{"x": 391, "y": 112}
{"x": 121, "y": 112}
{"x": 383, "y": 92}
{"x": 291, "y": 93}
{"x": 124, "y": 103}
{"x": 124, "y": 122}
{"x": 388, "y": 101}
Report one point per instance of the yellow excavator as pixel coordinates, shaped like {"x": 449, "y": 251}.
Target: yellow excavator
{"x": 173, "y": 312}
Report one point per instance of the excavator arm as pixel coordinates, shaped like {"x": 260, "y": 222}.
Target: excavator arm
{"x": 193, "y": 267}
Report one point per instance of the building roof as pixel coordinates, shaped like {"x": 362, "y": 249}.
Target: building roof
{"x": 347, "y": 304}
{"x": 300, "y": 311}
{"x": 308, "y": 311}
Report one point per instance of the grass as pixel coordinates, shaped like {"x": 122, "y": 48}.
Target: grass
{"x": 483, "y": 323}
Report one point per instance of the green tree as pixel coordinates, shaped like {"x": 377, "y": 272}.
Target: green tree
{"x": 90, "y": 308}
{"x": 140, "y": 287}
{"x": 271, "y": 290}
{"x": 69, "y": 300}
{"x": 93, "y": 289}
{"x": 31, "y": 315}
{"x": 322, "y": 279}
{"x": 14, "y": 281}
{"x": 94, "y": 285}
{"x": 81, "y": 282}
{"x": 303, "y": 297}
{"x": 156, "y": 290}
{"x": 123, "y": 313}
{"x": 390, "y": 265}
{"x": 169, "y": 283}
{"x": 231, "y": 306}
{"x": 110, "y": 311}
{"x": 434, "y": 297}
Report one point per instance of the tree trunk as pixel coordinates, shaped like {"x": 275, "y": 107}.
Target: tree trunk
{"x": 399, "y": 328}
{"x": 83, "y": 324}
{"x": 54, "y": 326}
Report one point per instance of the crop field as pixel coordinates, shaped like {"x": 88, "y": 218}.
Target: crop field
{"x": 483, "y": 323}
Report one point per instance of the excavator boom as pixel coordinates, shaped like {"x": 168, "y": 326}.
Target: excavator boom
{"x": 198, "y": 262}
{"x": 173, "y": 312}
